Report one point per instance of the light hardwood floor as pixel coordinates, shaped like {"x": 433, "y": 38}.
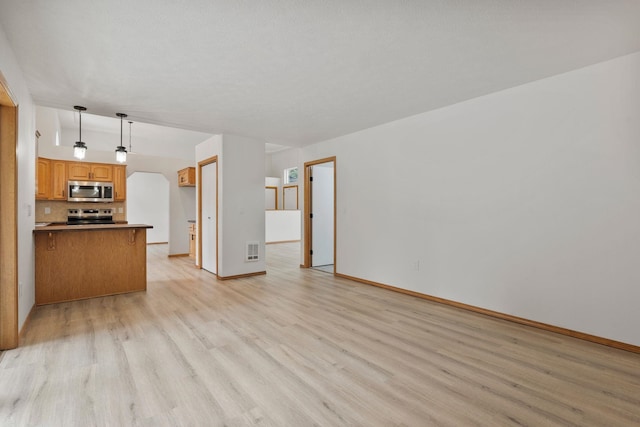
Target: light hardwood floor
{"x": 298, "y": 347}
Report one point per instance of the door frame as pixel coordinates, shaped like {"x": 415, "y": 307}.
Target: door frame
{"x": 8, "y": 218}
{"x": 308, "y": 235}
{"x": 275, "y": 189}
{"x": 201, "y": 164}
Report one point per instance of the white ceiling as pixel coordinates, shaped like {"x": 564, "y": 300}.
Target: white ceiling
{"x": 295, "y": 72}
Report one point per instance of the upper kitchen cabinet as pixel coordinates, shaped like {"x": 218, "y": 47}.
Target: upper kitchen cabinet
{"x": 187, "y": 177}
{"x": 90, "y": 171}
{"x": 101, "y": 172}
{"x": 58, "y": 180}
{"x": 53, "y": 175}
{"x": 43, "y": 179}
{"x": 78, "y": 171}
{"x": 120, "y": 183}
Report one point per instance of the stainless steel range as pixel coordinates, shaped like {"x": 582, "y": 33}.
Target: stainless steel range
{"x": 89, "y": 216}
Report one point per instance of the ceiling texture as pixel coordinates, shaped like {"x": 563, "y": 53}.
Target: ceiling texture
{"x": 294, "y": 72}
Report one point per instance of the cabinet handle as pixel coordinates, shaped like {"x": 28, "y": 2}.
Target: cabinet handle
{"x": 51, "y": 242}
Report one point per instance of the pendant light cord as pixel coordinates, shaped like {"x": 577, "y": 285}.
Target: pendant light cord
{"x": 122, "y": 116}
{"x": 130, "y": 136}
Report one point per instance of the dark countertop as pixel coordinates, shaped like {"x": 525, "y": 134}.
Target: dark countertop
{"x": 87, "y": 227}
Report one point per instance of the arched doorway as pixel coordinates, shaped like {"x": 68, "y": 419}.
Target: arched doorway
{"x": 148, "y": 203}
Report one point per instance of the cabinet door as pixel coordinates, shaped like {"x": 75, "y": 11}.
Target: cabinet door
{"x": 100, "y": 172}
{"x": 192, "y": 245}
{"x": 43, "y": 179}
{"x": 79, "y": 171}
{"x": 58, "y": 180}
{"x": 187, "y": 177}
{"x": 192, "y": 240}
{"x": 120, "y": 183}
{"x": 183, "y": 177}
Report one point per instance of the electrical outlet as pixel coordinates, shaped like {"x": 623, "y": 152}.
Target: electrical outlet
{"x": 47, "y": 211}
{"x": 120, "y": 210}
{"x": 415, "y": 265}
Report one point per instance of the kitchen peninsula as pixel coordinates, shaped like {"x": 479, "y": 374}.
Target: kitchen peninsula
{"x": 84, "y": 261}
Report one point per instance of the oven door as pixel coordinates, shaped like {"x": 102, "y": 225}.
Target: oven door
{"x": 84, "y": 191}
{"x": 107, "y": 192}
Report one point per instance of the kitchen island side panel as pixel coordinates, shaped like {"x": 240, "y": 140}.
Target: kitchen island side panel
{"x": 92, "y": 263}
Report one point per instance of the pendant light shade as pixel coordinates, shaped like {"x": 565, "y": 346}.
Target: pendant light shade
{"x": 79, "y": 148}
{"x": 121, "y": 152}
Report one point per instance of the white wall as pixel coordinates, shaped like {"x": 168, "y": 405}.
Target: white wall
{"x": 272, "y": 181}
{"x": 243, "y": 209}
{"x": 525, "y": 201}
{"x": 148, "y": 203}
{"x": 282, "y": 226}
{"x": 181, "y": 199}
{"x": 25, "y": 152}
{"x": 48, "y": 124}
{"x": 240, "y": 200}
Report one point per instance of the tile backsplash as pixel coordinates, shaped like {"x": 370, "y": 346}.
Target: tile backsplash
{"x": 58, "y": 209}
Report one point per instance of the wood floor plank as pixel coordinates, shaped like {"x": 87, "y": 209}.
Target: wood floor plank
{"x": 300, "y": 347}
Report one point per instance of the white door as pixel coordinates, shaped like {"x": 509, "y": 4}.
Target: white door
{"x": 209, "y": 231}
{"x": 322, "y": 225}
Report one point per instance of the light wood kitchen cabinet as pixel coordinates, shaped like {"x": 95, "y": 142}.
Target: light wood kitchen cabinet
{"x": 75, "y": 263}
{"x": 90, "y": 171}
{"x": 119, "y": 183}
{"x": 43, "y": 179}
{"x": 101, "y": 172}
{"x": 78, "y": 171}
{"x": 59, "y": 180}
{"x": 53, "y": 175}
{"x": 187, "y": 177}
{"x": 192, "y": 240}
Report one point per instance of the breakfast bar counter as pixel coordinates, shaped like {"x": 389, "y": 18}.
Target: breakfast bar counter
{"x": 86, "y": 261}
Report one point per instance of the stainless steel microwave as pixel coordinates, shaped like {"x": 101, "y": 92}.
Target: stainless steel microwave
{"x": 88, "y": 191}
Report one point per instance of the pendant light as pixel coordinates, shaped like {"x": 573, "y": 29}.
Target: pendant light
{"x": 121, "y": 152}
{"x": 79, "y": 148}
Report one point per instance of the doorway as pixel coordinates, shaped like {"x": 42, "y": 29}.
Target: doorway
{"x": 148, "y": 203}
{"x": 8, "y": 219}
{"x": 208, "y": 215}
{"x": 320, "y": 215}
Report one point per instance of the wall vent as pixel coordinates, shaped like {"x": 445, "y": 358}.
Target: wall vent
{"x": 253, "y": 251}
